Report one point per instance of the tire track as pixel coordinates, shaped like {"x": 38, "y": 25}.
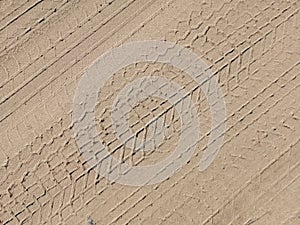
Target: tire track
{"x": 38, "y": 35}
{"x": 22, "y": 92}
{"x": 17, "y": 35}
{"x": 244, "y": 106}
{"x": 13, "y": 10}
{"x": 252, "y": 122}
{"x": 21, "y": 14}
{"x": 84, "y": 189}
{"x": 54, "y": 46}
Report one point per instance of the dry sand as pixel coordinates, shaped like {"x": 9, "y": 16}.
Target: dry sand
{"x": 253, "y": 46}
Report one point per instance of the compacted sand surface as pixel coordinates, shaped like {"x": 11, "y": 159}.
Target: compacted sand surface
{"x": 252, "y": 46}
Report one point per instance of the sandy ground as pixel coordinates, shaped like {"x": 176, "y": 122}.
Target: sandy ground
{"x": 253, "y": 46}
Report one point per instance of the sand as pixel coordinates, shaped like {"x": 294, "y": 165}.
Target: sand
{"x": 253, "y": 47}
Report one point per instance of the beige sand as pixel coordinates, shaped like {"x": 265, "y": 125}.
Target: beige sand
{"x": 253, "y": 45}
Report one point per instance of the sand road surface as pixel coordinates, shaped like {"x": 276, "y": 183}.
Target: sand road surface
{"x": 252, "y": 47}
